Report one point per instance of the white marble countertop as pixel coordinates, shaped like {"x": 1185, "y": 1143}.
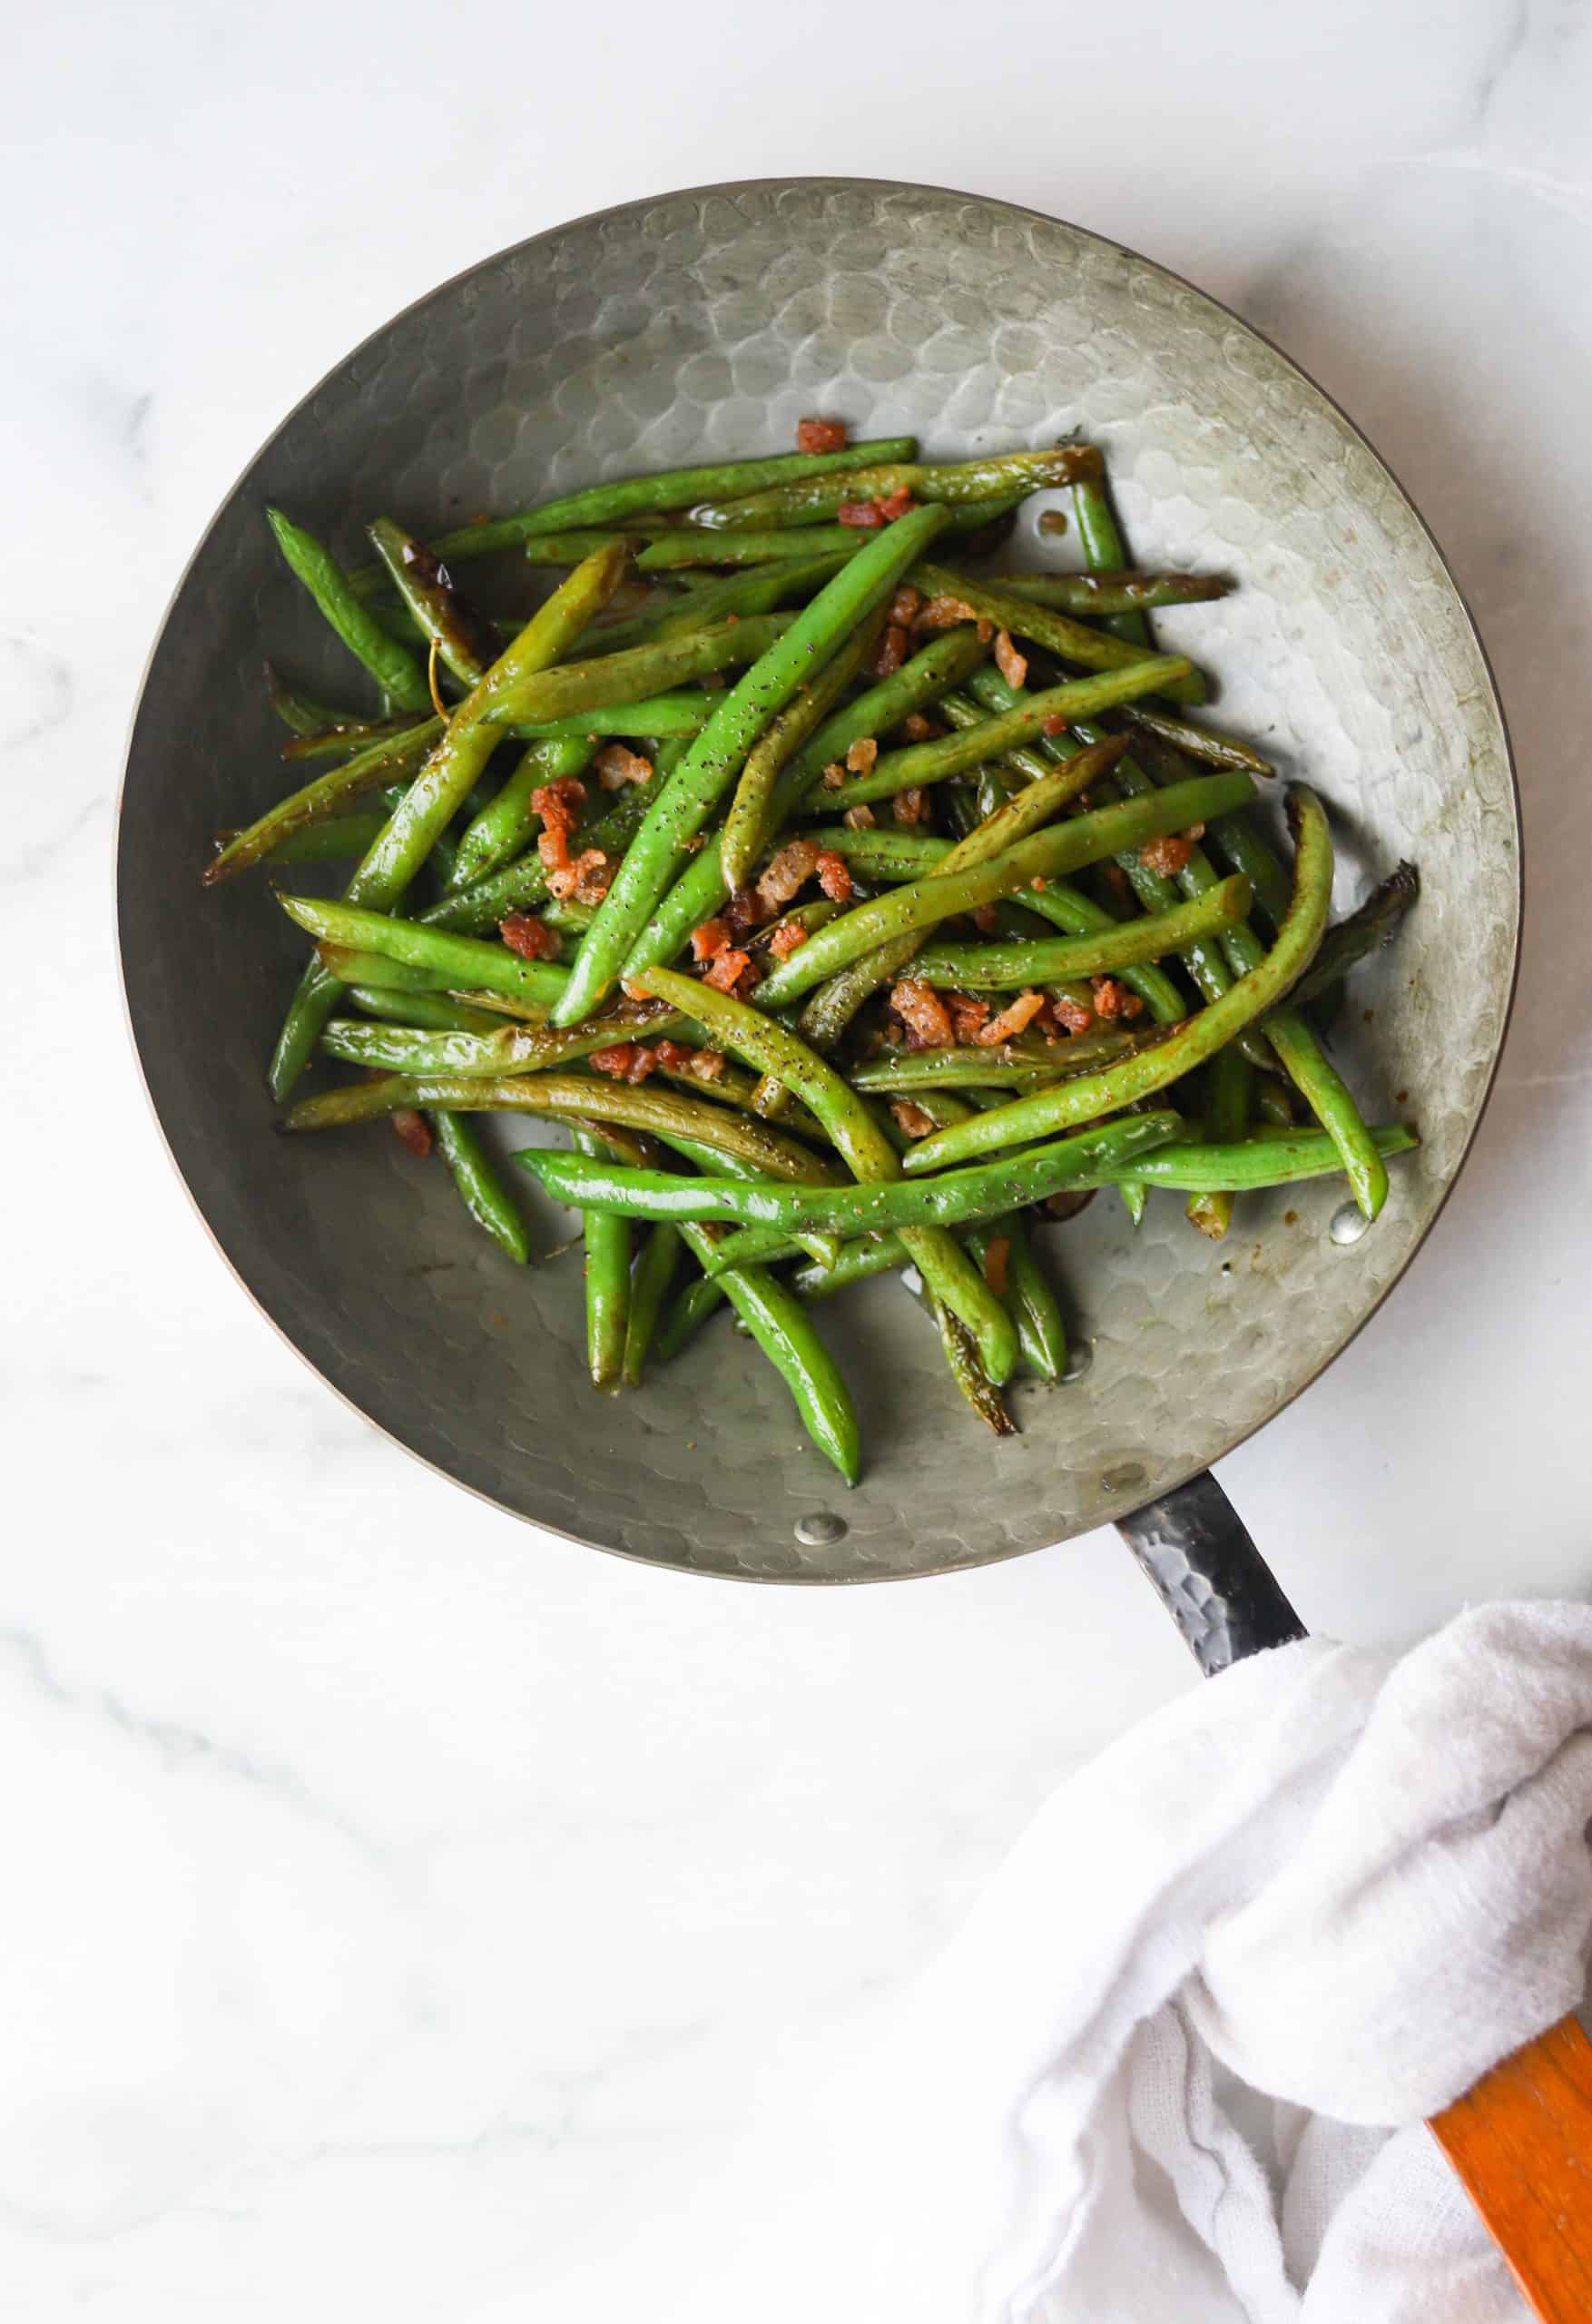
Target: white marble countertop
{"x": 397, "y": 1901}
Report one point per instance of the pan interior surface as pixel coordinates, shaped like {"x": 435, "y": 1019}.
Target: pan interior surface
{"x": 703, "y": 325}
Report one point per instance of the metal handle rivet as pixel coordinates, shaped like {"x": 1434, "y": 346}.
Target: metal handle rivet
{"x": 1349, "y": 1224}
{"x": 818, "y": 1531}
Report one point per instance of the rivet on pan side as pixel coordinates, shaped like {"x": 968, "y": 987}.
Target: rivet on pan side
{"x": 1080, "y": 1356}
{"x": 1349, "y": 1224}
{"x": 1123, "y": 1477}
{"x": 819, "y": 1530}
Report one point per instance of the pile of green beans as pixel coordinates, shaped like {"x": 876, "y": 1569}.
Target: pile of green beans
{"x": 843, "y": 900}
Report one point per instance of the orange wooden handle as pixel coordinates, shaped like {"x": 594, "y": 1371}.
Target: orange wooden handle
{"x": 1522, "y": 2142}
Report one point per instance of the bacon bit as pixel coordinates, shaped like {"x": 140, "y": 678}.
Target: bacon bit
{"x": 890, "y": 652}
{"x": 820, "y": 435}
{"x": 906, "y": 605}
{"x": 1053, "y": 726}
{"x": 586, "y": 880}
{"x": 701, "y": 1065}
{"x": 727, "y": 970}
{"x": 1112, "y": 998}
{"x": 414, "y": 1130}
{"x": 616, "y": 767}
{"x": 1071, "y": 1014}
{"x": 795, "y": 862}
{"x": 1013, "y": 666}
{"x": 559, "y": 803}
{"x": 1167, "y": 855}
{"x": 967, "y": 1015}
{"x": 859, "y": 758}
{"x": 709, "y": 941}
{"x": 896, "y": 504}
{"x": 986, "y": 920}
{"x": 787, "y": 939}
{"x": 834, "y": 776}
{"x": 859, "y": 818}
{"x": 862, "y": 514}
{"x": 742, "y": 913}
{"x": 944, "y": 612}
{"x": 834, "y": 873}
{"x": 911, "y": 806}
{"x": 531, "y": 938}
{"x": 1039, "y": 883}
{"x": 911, "y": 1118}
{"x": 624, "y": 1062}
{"x": 996, "y": 1254}
{"x": 1013, "y": 1019}
{"x": 923, "y": 1012}
{"x": 919, "y": 729}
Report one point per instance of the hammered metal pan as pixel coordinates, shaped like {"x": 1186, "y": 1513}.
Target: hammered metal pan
{"x": 706, "y": 323}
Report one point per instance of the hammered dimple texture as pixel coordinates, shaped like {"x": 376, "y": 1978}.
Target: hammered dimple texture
{"x": 704, "y": 324}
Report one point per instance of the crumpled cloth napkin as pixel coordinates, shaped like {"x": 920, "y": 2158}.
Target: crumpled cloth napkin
{"x": 1174, "y": 2068}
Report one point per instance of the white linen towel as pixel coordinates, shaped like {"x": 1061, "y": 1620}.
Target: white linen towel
{"x": 1174, "y": 2068}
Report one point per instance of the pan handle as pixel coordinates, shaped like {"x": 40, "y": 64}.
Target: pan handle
{"x": 1209, "y": 1575}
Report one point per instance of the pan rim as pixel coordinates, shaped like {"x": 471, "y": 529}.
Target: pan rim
{"x": 729, "y": 188}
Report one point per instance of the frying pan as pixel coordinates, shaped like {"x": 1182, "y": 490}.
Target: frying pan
{"x": 703, "y": 324}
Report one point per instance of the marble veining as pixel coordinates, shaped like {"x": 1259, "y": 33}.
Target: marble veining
{"x": 402, "y": 1905}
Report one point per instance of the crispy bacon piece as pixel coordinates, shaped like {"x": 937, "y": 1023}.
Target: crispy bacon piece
{"x": 859, "y": 758}
{"x": 911, "y": 806}
{"x": 1113, "y": 999}
{"x": 944, "y": 612}
{"x": 531, "y": 938}
{"x": 834, "y": 873}
{"x": 890, "y": 652}
{"x": 709, "y": 941}
{"x": 1055, "y": 724}
{"x": 1013, "y": 1019}
{"x": 998, "y": 1252}
{"x": 1071, "y": 1015}
{"x": 968, "y": 1014}
{"x": 919, "y": 729}
{"x": 414, "y": 1130}
{"x": 911, "y": 1118}
{"x": 583, "y": 879}
{"x": 894, "y": 505}
{"x": 1168, "y": 854}
{"x": 820, "y": 435}
{"x": 859, "y": 818}
{"x": 862, "y": 514}
{"x": 727, "y": 970}
{"x": 559, "y": 803}
{"x": 1013, "y": 666}
{"x": 834, "y": 776}
{"x": 788, "y": 938}
{"x": 624, "y": 1062}
{"x": 923, "y": 1013}
{"x": 985, "y": 918}
{"x": 794, "y": 864}
{"x": 616, "y": 767}
{"x": 906, "y": 605}
{"x": 702, "y": 1065}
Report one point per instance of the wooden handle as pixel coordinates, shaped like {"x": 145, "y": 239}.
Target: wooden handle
{"x": 1522, "y": 2142}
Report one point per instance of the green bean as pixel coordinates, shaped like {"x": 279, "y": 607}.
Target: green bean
{"x": 944, "y": 662}
{"x": 440, "y": 790}
{"x": 423, "y": 1012}
{"x": 785, "y": 1333}
{"x": 610, "y": 504}
{"x": 719, "y": 752}
{"x": 1089, "y": 1157}
{"x": 346, "y": 737}
{"x": 1000, "y": 1067}
{"x": 1374, "y": 923}
{"x": 689, "y": 1312}
{"x": 1092, "y": 649}
{"x": 607, "y": 1282}
{"x": 773, "y": 1049}
{"x": 397, "y": 1048}
{"x": 461, "y": 960}
{"x": 1225, "y": 1117}
{"x": 327, "y": 843}
{"x": 1031, "y": 1303}
{"x": 962, "y": 1363}
{"x": 863, "y": 1257}
{"x": 349, "y": 965}
{"x": 926, "y": 763}
{"x": 301, "y": 712}
{"x": 619, "y": 678}
{"x": 461, "y": 639}
{"x": 1045, "y": 854}
{"x": 649, "y": 1285}
{"x": 763, "y": 590}
{"x": 393, "y": 667}
{"x": 821, "y": 1249}
{"x": 1005, "y": 967}
{"x": 537, "y": 1049}
{"x": 325, "y": 796}
{"x": 1192, "y": 1044}
{"x": 1281, "y": 1157}
{"x": 1201, "y": 742}
{"x": 747, "y": 826}
{"x": 1236, "y": 839}
{"x": 482, "y": 1191}
{"x": 1104, "y": 550}
{"x": 508, "y": 823}
{"x": 522, "y": 886}
{"x": 674, "y": 548}
{"x": 814, "y": 500}
{"x": 658, "y": 714}
{"x": 1110, "y": 593}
